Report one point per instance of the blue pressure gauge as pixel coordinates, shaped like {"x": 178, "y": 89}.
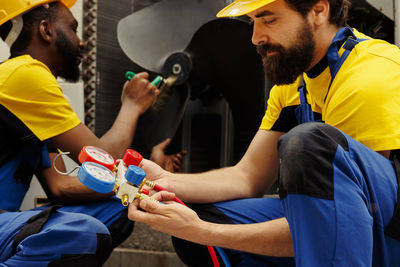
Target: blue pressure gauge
{"x": 96, "y": 177}
{"x": 135, "y": 175}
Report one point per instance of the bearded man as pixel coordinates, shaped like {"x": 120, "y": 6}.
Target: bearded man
{"x": 328, "y": 137}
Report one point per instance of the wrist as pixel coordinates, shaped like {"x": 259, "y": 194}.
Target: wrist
{"x": 133, "y": 107}
{"x": 169, "y": 177}
{"x": 204, "y": 232}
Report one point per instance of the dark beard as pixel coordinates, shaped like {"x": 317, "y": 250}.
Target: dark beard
{"x": 69, "y": 53}
{"x": 288, "y": 63}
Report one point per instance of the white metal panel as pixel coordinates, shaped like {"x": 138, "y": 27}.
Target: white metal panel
{"x": 384, "y": 6}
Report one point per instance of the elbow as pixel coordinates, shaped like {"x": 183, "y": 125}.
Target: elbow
{"x": 57, "y": 195}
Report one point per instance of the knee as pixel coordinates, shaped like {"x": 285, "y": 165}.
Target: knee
{"x": 306, "y": 154}
{"x": 307, "y": 136}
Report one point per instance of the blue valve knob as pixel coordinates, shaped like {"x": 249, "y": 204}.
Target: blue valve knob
{"x": 135, "y": 175}
{"x": 96, "y": 177}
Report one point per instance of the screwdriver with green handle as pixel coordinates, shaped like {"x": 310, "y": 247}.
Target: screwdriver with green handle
{"x": 129, "y": 75}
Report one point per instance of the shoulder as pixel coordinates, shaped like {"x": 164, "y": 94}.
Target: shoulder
{"x": 374, "y": 64}
{"x": 376, "y": 51}
{"x": 25, "y": 68}
{"x": 27, "y": 78}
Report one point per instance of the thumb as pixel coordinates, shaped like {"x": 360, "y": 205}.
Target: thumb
{"x": 163, "y": 145}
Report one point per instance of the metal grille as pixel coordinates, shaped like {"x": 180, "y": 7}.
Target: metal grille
{"x": 89, "y": 61}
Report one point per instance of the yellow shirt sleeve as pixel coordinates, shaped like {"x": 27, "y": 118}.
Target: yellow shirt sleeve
{"x": 33, "y": 95}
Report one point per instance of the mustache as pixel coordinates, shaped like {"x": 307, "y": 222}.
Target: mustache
{"x": 264, "y": 48}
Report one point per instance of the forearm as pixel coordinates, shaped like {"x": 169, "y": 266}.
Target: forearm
{"x": 65, "y": 189}
{"x": 212, "y": 186}
{"x": 72, "y": 191}
{"x": 270, "y": 238}
{"x": 120, "y": 136}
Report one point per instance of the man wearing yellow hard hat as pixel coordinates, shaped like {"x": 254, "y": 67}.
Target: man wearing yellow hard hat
{"x": 35, "y": 119}
{"x": 329, "y": 137}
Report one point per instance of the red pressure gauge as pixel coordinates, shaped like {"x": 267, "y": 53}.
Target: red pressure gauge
{"x": 97, "y": 155}
{"x": 131, "y": 157}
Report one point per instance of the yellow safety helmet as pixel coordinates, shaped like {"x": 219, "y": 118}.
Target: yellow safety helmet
{"x": 242, "y": 7}
{"x": 10, "y": 9}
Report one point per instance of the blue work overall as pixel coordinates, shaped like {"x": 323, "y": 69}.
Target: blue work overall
{"x": 337, "y": 195}
{"x": 75, "y": 235}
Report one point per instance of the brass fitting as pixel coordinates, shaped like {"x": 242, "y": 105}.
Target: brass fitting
{"x": 143, "y": 196}
{"x": 150, "y": 183}
{"x": 115, "y": 169}
{"x": 116, "y": 187}
{"x": 125, "y": 200}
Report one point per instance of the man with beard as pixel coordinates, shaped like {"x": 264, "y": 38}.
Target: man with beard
{"x": 328, "y": 135}
{"x": 34, "y": 114}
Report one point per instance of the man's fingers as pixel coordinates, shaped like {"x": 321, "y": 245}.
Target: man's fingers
{"x": 135, "y": 214}
{"x": 144, "y": 75}
{"x": 163, "y": 196}
{"x": 151, "y": 206}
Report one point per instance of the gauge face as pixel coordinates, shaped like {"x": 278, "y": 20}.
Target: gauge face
{"x": 100, "y": 173}
{"x": 99, "y": 155}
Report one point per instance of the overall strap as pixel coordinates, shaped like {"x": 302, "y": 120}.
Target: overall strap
{"x": 302, "y": 91}
{"x": 304, "y": 111}
{"x": 335, "y": 61}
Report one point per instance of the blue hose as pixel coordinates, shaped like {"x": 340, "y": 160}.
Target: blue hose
{"x": 223, "y": 256}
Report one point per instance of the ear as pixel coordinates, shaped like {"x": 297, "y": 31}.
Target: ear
{"x": 46, "y": 32}
{"x": 319, "y": 13}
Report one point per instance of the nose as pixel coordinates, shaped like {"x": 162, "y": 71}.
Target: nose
{"x": 81, "y": 44}
{"x": 259, "y": 36}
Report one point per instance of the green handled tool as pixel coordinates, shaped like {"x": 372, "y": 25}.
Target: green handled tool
{"x": 129, "y": 75}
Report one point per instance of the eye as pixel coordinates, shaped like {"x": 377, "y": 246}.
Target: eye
{"x": 269, "y": 21}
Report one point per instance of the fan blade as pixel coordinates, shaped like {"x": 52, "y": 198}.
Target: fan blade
{"x": 151, "y": 34}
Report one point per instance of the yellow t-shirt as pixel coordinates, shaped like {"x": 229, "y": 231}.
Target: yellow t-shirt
{"x": 30, "y": 91}
{"x": 363, "y": 100}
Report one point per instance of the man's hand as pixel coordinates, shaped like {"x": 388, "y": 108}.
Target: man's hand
{"x": 171, "y": 218}
{"x": 155, "y": 173}
{"x": 140, "y": 92}
{"x": 171, "y": 163}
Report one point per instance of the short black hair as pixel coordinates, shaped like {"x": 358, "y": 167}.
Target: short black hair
{"x": 31, "y": 20}
{"x": 338, "y": 14}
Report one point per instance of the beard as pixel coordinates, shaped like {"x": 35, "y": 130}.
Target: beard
{"x": 287, "y": 64}
{"x": 69, "y": 54}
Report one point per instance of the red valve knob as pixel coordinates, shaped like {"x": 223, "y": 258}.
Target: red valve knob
{"x": 97, "y": 155}
{"x": 146, "y": 192}
{"x": 131, "y": 157}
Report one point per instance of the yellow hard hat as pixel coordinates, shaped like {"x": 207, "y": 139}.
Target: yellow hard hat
{"x": 242, "y": 7}
{"x": 9, "y": 9}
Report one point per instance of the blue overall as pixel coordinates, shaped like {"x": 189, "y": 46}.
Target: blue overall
{"x": 338, "y": 196}
{"x": 76, "y": 235}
